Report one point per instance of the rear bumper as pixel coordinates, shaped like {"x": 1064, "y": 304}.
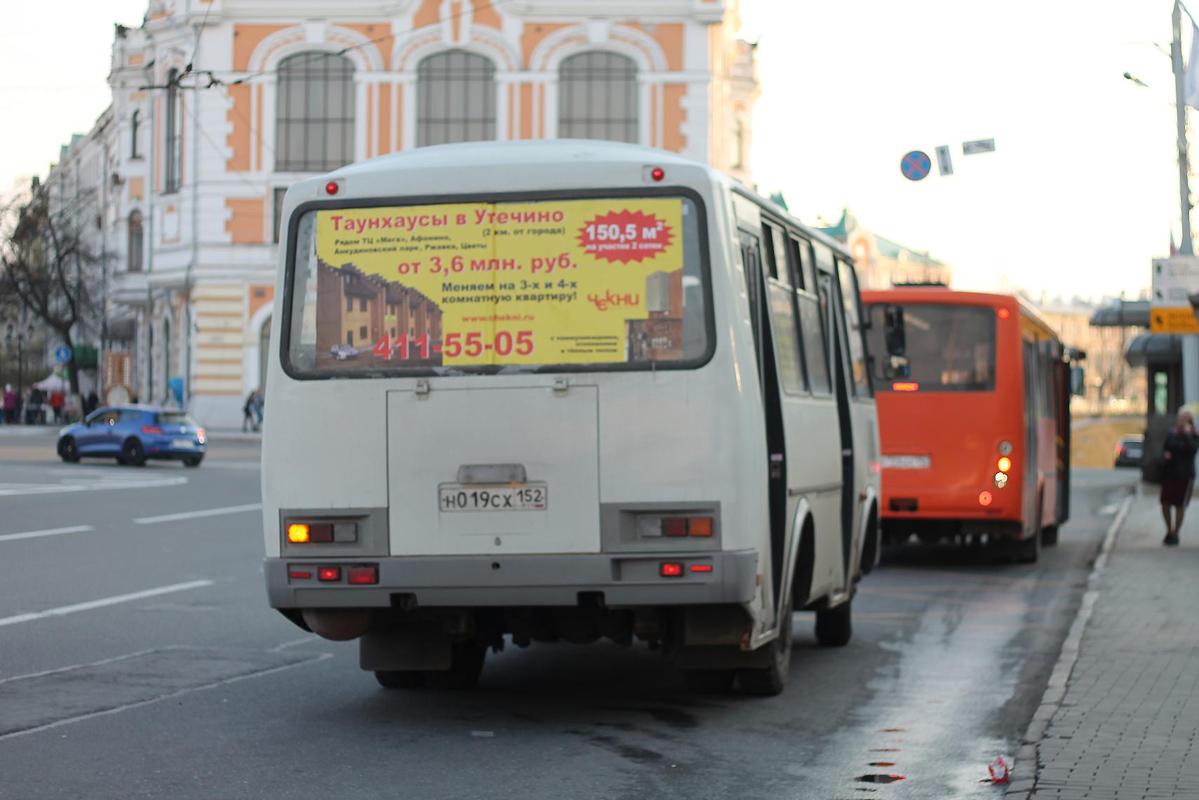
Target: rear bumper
{"x": 517, "y": 581}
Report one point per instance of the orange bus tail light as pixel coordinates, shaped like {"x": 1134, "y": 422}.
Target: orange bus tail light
{"x": 905, "y": 387}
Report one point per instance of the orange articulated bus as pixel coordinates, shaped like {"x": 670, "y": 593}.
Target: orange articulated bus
{"x": 974, "y": 417}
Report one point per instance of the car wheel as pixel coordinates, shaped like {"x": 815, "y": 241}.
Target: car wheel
{"x": 68, "y": 450}
{"x": 133, "y": 453}
{"x": 192, "y": 462}
{"x": 834, "y": 627}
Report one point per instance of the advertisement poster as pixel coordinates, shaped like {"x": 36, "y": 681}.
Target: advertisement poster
{"x": 494, "y": 284}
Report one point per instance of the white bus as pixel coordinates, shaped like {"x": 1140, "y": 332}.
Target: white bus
{"x": 563, "y": 390}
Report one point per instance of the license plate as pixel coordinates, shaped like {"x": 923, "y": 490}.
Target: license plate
{"x": 185, "y": 444}
{"x": 525, "y": 497}
{"x": 906, "y": 462}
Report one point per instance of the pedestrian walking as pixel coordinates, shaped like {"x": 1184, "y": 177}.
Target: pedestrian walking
{"x": 10, "y": 405}
{"x": 58, "y": 401}
{"x": 247, "y": 410}
{"x": 257, "y": 407}
{"x": 1178, "y": 472}
{"x": 91, "y": 403}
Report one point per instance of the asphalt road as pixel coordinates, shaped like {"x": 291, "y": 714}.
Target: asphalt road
{"x": 138, "y": 658}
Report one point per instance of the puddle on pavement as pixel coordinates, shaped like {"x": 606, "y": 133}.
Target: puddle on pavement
{"x": 880, "y": 778}
{"x": 949, "y": 661}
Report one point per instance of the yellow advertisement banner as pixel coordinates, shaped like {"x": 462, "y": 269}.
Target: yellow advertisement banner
{"x": 555, "y": 282}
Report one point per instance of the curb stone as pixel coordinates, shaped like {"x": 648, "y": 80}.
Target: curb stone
{"x": 1055, "y": 692}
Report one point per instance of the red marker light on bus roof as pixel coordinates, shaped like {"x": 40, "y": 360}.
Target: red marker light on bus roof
{"x": 657, "y": 173}
{"x": 332, "y": 188}
{"x": 1003, "y": 313}
{"x": 905, "y": 387}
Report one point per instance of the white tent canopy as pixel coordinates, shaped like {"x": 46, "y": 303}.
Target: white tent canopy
{"x": 54, "y": 383}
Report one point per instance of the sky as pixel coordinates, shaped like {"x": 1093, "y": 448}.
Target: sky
{"x": 1080, "y": 194}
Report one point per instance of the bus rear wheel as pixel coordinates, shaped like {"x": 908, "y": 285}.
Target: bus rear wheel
{"x": 834, "y": 627}
{"x": 465, "y": 667}
{"x": 1027, "y": 551}
{"x": 770, "y": 680}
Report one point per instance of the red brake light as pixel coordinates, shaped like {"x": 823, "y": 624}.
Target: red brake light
{"x": 1003, "y": 313}
{"x": 674, "y": 526}
{"x": 332, "y": 188}
{"x": 363, "y": 575}
{"x": 329, "y": 574}
{"x": 657, "y": 173}
{"x": 671, "y": 570}
{"x": 984, "y": 498}
{"x": 299, "y": 574}
{"x": 905, "y": 387}
{"x": 152, "y": 429}
{"x": 701, "y": 567}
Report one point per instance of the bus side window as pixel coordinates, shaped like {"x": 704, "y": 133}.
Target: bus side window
{"x": 780, "y": 298}
{"x": 751, "y": 264}
{"x": 811, "y": 321}
{"x": 853, "y": 322}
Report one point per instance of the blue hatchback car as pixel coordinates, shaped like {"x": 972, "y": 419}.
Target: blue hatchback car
{"x": 133, "y": 434}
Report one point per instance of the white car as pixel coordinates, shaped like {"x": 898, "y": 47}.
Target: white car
{"x": 343, "y": 352}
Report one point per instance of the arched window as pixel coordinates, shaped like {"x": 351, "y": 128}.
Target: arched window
{"x": 174, "y": 134}
{"x": 314, "y": 122}
{"x": 455, "y": 98}
{"x": 597, "y": 97}
{"x": 136, "y": 242}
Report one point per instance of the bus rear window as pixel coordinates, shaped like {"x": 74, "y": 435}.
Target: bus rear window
{"x": 949, "y": 348}
{"x": 470, "y": 287}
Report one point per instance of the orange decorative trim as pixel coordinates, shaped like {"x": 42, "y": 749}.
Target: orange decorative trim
{"x": 384, "y": 118}
{"x": 429, "y": 13}
{"x": 533, "y": 36}
{"x": 258, "y": 302}
{"x": 379, "y": 33}
{"x": 246, "y": 221}
{"x": 239, "y": 138}
{"x": 672, "y": 137}
{"x": 245, "y": 39}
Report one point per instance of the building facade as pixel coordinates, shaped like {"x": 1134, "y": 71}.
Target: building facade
{"x": 219, "y": 105}
{"x": 882, "y": 263}
{"x": 1113, "y": 385}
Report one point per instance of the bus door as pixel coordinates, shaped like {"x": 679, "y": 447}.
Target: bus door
{"x": 1031, "y": 439}
{"x": 830, "y": 304}
{"x": 776, "y": 447}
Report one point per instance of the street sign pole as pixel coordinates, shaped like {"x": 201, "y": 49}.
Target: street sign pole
{"x": 1190, "y": 343}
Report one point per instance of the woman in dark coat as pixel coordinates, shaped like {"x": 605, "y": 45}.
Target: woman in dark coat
{"x": 1178, "y": 471}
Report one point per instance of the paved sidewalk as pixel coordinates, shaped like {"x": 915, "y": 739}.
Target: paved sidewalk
{"x": 1128, "y": 724}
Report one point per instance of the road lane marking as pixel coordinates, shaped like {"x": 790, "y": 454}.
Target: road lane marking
{"x": 168, "y": 695}
{"x": 105, "y": 601}
{"x": 209, "y": 512}
{"x": 12, "y": 537}
{"x": 13, "y": 489}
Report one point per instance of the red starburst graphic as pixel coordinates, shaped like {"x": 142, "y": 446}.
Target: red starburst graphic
{"x": 625, "y": 236}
